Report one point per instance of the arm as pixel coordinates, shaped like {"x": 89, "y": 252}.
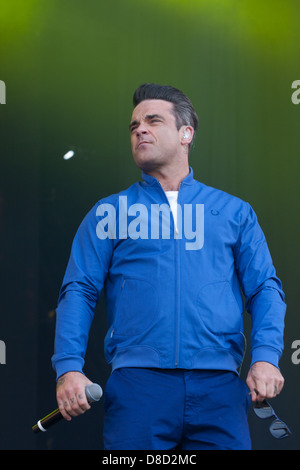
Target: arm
{"x": 265, "y": 302}
{"x": 80, "y": 292}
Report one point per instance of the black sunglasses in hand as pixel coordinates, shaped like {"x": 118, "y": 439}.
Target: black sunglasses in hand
{"x": 277, "y": 428}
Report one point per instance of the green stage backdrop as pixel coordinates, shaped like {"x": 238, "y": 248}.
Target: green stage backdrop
{"x": 68, "y": 69}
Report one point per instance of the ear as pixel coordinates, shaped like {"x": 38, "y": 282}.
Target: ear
{"x": 187, "y": 133}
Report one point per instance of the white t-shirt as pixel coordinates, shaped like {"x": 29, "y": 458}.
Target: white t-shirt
{"x": 172, "y": 198}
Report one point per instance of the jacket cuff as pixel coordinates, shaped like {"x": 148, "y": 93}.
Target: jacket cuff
{"x": 67, "y": 365}
{"x": 266, "y": 354}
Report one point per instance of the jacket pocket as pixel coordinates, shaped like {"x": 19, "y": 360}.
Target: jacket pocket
{"x": 218, "y": 308}
{"x": 136, "y": 308}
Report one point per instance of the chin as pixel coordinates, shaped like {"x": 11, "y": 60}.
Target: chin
{"x": 145, "y": 163}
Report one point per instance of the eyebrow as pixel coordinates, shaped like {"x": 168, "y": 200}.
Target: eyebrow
{"x": 148, "y": 117}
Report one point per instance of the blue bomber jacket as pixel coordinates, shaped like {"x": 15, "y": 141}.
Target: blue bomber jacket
{"x": 174, "y": 297}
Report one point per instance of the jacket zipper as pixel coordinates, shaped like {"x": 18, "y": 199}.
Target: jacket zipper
{"x": 177, "y": 305}
{"x": 177, "y": 292}
{"x": 177, "y": 282}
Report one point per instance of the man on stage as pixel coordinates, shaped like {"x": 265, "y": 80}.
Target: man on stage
{"x": 174, "y": 257}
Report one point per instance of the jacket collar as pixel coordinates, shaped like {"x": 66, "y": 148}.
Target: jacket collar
{"x": 151, "y": 180}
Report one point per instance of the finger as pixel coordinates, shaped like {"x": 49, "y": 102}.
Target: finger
{"x": 82, "y": 401}
{"x": 271, "y": 389}
{"x": 254, "y": 394}
{"x": 280, "y": 386}
{"x": 274, "y": 387}
{"x": 277, "y": 388}
{"x": 280, "y": 383}
{"x": 63, "y": 411}
{"x": 68, "y": 405}
{"x": 260, "y": 391}
{"x": 74, "y": 406}
{"x": 250, "y": 383}
{"x": 253, "y": 389}
{"x": 78, "y": 401}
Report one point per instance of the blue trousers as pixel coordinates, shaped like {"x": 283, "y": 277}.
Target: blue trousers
{"x": 154, "y": 409}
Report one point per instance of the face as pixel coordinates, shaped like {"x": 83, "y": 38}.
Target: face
{"x": 155, "y": 140}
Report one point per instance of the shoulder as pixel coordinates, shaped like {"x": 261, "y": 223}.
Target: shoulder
{"x": 221, "y": 198}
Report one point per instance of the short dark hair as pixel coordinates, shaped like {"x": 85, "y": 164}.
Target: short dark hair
{"x": 183, "y": 109}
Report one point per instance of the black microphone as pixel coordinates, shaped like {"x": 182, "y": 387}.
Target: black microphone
{"x": 93, "y": 393}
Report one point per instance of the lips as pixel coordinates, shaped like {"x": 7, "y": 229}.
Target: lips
{"x": 143, "y": 142}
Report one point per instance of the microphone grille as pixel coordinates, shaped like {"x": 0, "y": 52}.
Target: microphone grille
{"x": 93, "y": 392}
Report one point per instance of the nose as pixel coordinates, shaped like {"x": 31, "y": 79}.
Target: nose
{"x": 141, "y": 130}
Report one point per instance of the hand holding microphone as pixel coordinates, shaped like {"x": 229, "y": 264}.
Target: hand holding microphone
{"x": 93, "y": 393}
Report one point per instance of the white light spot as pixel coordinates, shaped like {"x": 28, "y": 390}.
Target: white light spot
{"x": 69, "y": 155}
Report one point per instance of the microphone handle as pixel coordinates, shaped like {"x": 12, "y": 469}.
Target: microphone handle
{"x": 47, "y": 421}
